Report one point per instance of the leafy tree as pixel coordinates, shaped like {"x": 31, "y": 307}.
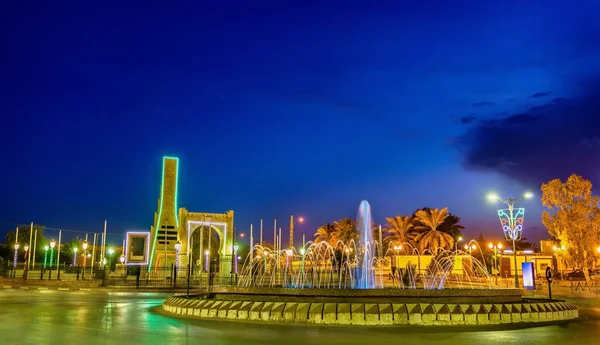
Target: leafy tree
{"x": 24, "y": 232}
{"x": 574, "y": 217}
{"x": 428, "y": 222}
{"x": 399, "y": 229}
{"x": 326, "y": 233}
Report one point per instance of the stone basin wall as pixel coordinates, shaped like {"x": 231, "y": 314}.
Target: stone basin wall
{"x": 372, "y": 314}
{"x": 399, "y": 296}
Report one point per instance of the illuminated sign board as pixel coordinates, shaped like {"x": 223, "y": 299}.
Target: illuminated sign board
{"x": 528, "y": 276}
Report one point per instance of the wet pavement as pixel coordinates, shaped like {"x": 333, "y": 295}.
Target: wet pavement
{"x": 58, "y": 317}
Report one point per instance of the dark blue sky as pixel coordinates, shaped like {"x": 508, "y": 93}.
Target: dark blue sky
{"x": 304, "y": 108}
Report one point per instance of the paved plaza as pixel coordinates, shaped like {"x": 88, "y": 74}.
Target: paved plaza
{"x": 99, "y": 317}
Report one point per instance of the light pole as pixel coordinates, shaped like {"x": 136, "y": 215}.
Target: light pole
{"x": 456, "y": 244}
{"x": 495, "y": 247}
{"x": 75, "y": 249}
{"x": 52, "y": 244}
{"x": 84, "y": 246}
{"x": 26, "y": 249}
{"x": 15, "y": 259}
{"x": 45, "y": 258}
{"x": 235, "y": 263}
{"x": 514, "y": 234}
{"x": 293, "y": 222}
{"x": 177, "y": 249}
{"x": 470, "y": 248}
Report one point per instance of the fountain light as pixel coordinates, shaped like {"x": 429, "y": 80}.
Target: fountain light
{"x": 302, "y": 251}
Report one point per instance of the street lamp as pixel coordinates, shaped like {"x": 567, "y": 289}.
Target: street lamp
{"x": 397, "y": 248}
{"x": 470, "y": 248}
{"x": 514, "y": 232}
{"x": 235, "y": 251}
{"x": 206, "y": 253}
{"x": 177, "y": 250}
{"x": 15, "y": 259}
{"x": 84, "y": 246}
{"x": 456, "y": 244}
{"x": 495, "y": 247}
{"x": 26, "y": 249}
{"x": 52, "y": 244}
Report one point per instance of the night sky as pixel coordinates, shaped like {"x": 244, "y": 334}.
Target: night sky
{"x": 304, "y": 108}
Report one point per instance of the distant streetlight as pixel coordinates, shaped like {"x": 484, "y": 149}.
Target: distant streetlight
{"x": 26, "y": 249}
{"x": 84, "y": 246}
{"x": 177, "y": 250}
{"x": 512, "y": 233}
{"x": 15, "y": 259}
{"x": 495, "y": 247}
{"x": 456, "y": 244}
{"x": 122, "y": 259}
{"x": 52, "y": 244}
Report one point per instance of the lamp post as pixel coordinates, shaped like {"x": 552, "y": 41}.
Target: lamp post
{"x": 235, "y": 263}
{"x": 84, "y": 246}
{"x": 15, "y": 259}
{"x": 293, "y": 222}
{"x": 26, "y": 249}
{"x": 177, "y": 249}
{"x": 45, "y": 258}
{"x": 512, "y": 234}
{"x": 52, "y": 244}
{"x": 75, "y": 249}
{"x": 495, "y": 247}
{"x": 456, "y": 244}
{"x": 470, "y": 248}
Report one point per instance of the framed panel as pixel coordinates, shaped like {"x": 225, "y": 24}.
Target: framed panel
{"x": 137, "y": 248}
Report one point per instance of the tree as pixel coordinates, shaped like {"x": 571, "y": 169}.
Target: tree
{"x": 574, "y": 217}
{"x": 326, "y": 233}
{"x": 428, "y": 222}
{"x": 400, "y": 230}
{"x": 24, "y": 231}
{"x": 451, "y": 225}
{"x": 345, "y": 231}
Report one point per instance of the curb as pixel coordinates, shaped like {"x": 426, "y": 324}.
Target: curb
{"x": 78, "y": 289}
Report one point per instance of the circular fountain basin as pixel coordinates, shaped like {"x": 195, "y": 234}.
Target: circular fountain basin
{"x": 372, "y": 307}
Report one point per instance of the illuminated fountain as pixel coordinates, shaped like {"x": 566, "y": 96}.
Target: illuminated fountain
{"x": 343, "y": 284}
{"x": 354, "y": 265}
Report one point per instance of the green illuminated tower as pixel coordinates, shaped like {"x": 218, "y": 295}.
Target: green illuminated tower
{"x": 163, "y": 234}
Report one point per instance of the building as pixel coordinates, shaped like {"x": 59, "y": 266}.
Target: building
{"x": 173, "y": 225}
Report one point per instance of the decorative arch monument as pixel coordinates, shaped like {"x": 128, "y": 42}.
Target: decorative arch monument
{"x": 172, "y": 225}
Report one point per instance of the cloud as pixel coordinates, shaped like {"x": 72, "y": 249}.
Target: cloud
{"x": 466, "y": 120}
{"x": 549, "y": 141}
{"x": 483, "y": 104}
{"x": 540, "y": 94}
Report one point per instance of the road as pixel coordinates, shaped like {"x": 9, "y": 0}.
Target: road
{"x": 58, "y": 317}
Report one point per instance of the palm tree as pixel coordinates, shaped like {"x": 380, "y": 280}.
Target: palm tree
{"x": 326, "y": 233}
{"x": 429, "y": 220}
{"x": 400, "y": 229}
{"x": 451, "y": 226}
{"x": 345, "y": 230}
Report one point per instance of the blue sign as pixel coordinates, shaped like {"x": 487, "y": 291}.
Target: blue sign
{"x": 528, "y": 276}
